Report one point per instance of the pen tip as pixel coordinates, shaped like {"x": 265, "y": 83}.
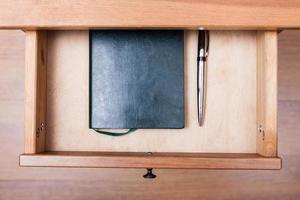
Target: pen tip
{"x": 200, "y": 123}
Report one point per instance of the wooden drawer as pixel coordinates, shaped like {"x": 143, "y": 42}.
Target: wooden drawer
{"x": 240, "y": 130}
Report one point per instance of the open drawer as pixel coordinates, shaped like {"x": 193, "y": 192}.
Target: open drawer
{"x": 240, "y": 129}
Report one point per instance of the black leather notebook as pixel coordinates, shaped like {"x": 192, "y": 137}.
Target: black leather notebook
{"x": 136, "y": 79}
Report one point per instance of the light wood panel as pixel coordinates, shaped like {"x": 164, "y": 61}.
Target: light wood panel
{"x": 230, "y": 121}
{"x": 83, "y": 14}
{"x": 35, "y": 91}
{"x": 155, "y": 160}
{"x": 267, "y": 93}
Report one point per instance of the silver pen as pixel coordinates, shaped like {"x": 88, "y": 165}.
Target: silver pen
{"x": 203, "y": 42}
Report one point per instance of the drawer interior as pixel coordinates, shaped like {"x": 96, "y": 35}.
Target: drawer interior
{"x": 230, "y": 121}
{"x": 240, "y": 127}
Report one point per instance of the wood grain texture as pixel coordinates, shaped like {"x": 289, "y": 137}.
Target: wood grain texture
{"x": 35, "y": 91}
{"x": 65, "y": 183}
{"x": 289, "y": 73}
{"x": 230, "y": 121}
{"x": 155, "y": 160}
{"x": 83, "y": 14}
{"x": 267, "y": 93}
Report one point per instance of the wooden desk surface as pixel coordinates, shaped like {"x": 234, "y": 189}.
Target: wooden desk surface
{"x": 212, "y": 14}
{"x": 57, "y": 183}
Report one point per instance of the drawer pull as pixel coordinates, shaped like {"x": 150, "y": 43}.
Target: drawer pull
{"x": 149, "y": 174}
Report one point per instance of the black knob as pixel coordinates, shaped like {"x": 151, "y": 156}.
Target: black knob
{"x": 149, "y": 174}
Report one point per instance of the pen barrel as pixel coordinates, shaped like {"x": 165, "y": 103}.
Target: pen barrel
{"x": 201, "y": 90}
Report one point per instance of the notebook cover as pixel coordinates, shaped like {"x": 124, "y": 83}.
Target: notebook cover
{"x": 136, "y": 79}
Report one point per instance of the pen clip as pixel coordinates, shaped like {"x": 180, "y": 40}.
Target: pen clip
{"x": 206, "y": 42}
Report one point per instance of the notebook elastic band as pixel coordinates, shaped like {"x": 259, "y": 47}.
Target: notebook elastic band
{"x": 115, "y": 133}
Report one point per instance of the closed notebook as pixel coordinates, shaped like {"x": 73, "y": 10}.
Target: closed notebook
{"x": 136, "y": 79}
